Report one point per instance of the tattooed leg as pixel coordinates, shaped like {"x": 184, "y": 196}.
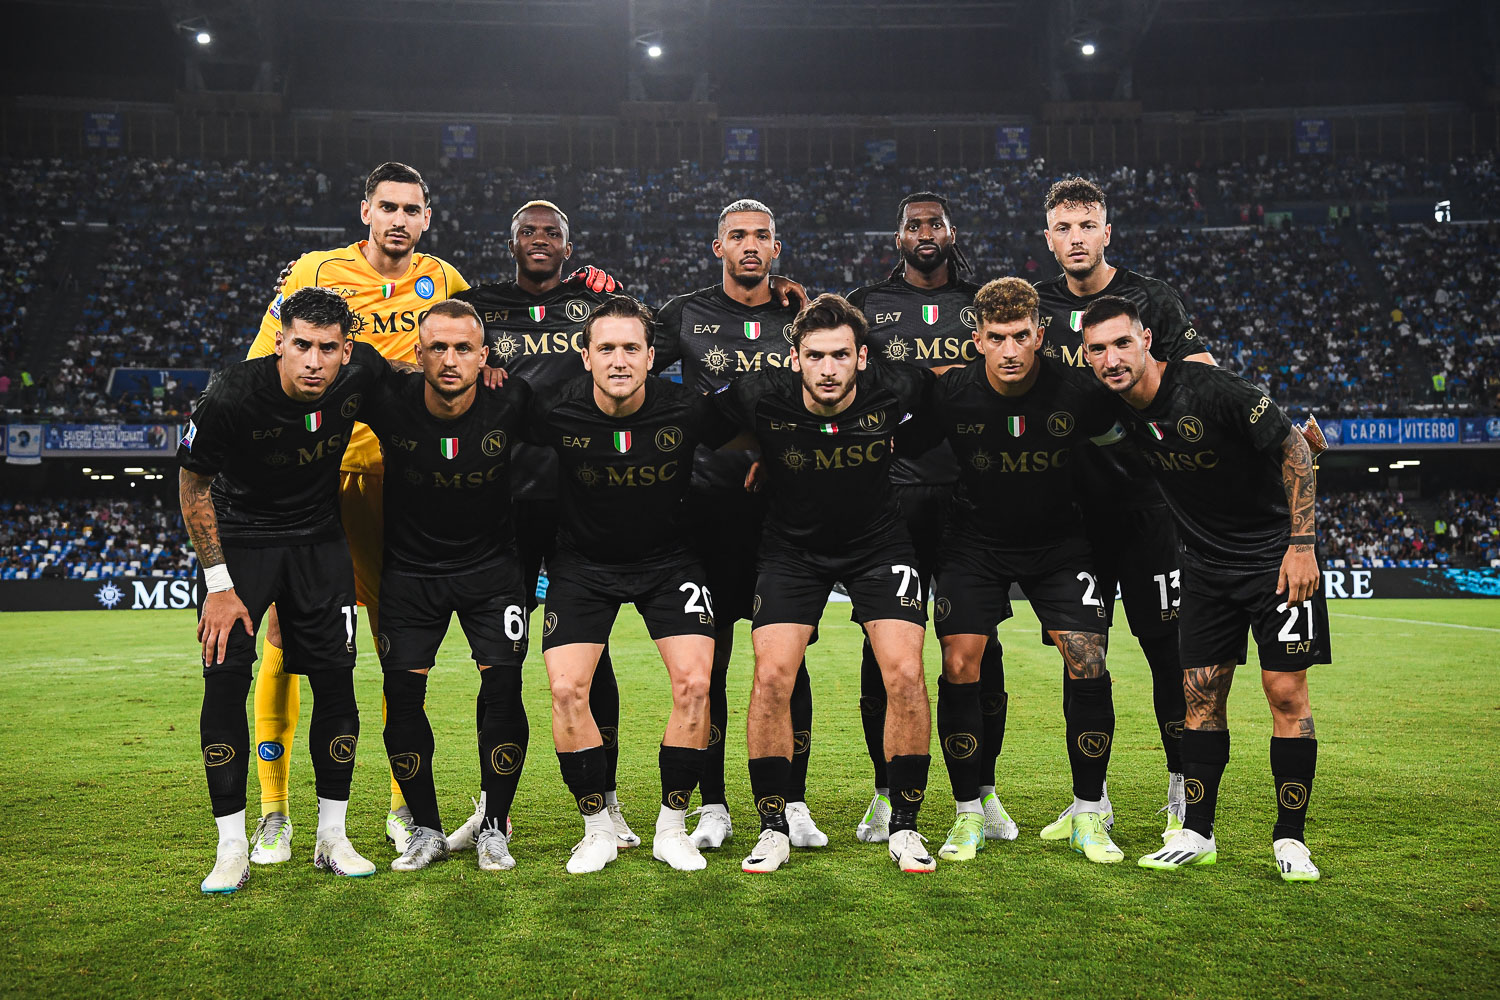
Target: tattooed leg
{"x": 1082, "y": 653}
{"x": 1207, "y": 692}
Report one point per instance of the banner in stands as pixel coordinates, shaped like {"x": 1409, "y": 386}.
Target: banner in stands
{"x": 23, "y": 444}
{"x": 101, "y": 130}
{"x": 1414, "y": 431}
{"x": 1314, "y": 136}
{"x": 881, "y": 152}
{"x": 460, "y": 142}
{"x": 161, "y": 594}
{"x": 66, "y": 440}
{"x": 156, "y": 382}
{"x": 741, "y": 144}
{"x": 1012, "y": 142}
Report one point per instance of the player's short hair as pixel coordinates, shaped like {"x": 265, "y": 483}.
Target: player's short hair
{"x": 1074, "y": 191}
{"x": 1006, "y": 300}
{"x": 541, "y": 203}
{"x": 1107, "y": 307}
{"x": 400, "y": 173}
{"x": 453, "y": 309}
{"x": 745, "y": 205}
{"x": 829, "y": 312}
{"x": 317, "y": 307}
{"x": 619, "y": 307}
{"x": 920, "y": 196}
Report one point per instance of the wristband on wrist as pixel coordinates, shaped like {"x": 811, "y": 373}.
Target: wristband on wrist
{"x": 218, "y": 578}
{"x": 1302, "y": 540}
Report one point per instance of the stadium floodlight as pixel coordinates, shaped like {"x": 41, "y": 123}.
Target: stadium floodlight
{"x": 654, "y": 52}
{"x": 1373, "y": 468}
{"x": 203, "y": 38}
{"x": 1087, "y": 48}
{"x": 134, "y": 469}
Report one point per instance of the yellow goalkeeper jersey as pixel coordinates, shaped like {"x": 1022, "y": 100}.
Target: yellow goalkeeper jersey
{"x": 387, "y": 312}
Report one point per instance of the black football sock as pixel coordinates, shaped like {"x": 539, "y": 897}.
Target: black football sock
{"x": 768, "y": 784}
{"x": 711, "y": 783}
{"x": 802, "y": 711}
{"x": 680, "y": 768}
{"x": 584, "y": 772}
{"x": 908, "y": 788}
{"x": 333, "y": 733}
{"x": 1205, "y": 753}
{"x": 993, "y": 702}
{"x": 504, "y": 734}
{"x": 604, "y": 704}
{"x": 1293, "y": 763}
{"x": 1167, "y": 695}
{"x": 872, "y": 713}
{"x": 409, "y": 744}
{"x": 1091, "y": 732}
{"x": 224, "y": 738}
{"x": 960, "y": 724}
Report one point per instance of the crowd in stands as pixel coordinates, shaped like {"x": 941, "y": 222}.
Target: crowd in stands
{"x": 74, "y": 539}
{"x": 23, "y": 254}
{"x": 1383, "y": 528}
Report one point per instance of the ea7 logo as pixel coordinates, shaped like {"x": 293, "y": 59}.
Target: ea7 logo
{"x": 890, "y": 317}
{"x": 569, "y": 441}
{"x": 271, "y": 432}
{"x": 705, "y": 328}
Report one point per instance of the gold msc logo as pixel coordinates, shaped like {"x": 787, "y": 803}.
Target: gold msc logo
{"x": 1293, "y": 795}
{"x": 981, "y": 461}
{"x": 494, "y": 443}
{"x": 406, "y": 765}
{"x": 1060, "y": 424}
{"x": 872, "y": 421}
{"x": 577, "y": 310}
{"x": 591, "y": 804}
{"x": 506, "y": 347}
{"x": 801, "y": 741}
{"x": 342, "y": 749}
{"x": 549, "y": 623}
{"x": 941, "y": 609}
{"x": 669, "y": 439}
{"x": 679, "y": 799}
{"x": 968, "y": 317}
{"x": 771, "y": 805}
{"x": 717, "y": 360}
{"x": 1190, "y": 428}
{"x": 383, "y": 645}
{"x": 588, "y": 476}
{"x": 1093, "y": 744}
{"x": 276, "y": 459}
{"x": 913, "y": 794}
{"x": 1192, "y": 791}
{"x": 506, "y": 758}
{"x": 961, "y": 745}
{"x": 897, "y": 350}
{"x": 609, "y": 736}
{"x": 794, "y": 459}
{"x": 414, "y": 477}
{"x": 217, "y": 753}
{"x": 351, "y": 405}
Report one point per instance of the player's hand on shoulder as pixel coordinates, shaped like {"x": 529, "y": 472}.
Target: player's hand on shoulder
{"x": 595, "y": 279}
{"x": 786, "y": 290}
{"x": 286, "y": 272}
{"x": 493, "y": 378}
{"x": 754, "y": 477}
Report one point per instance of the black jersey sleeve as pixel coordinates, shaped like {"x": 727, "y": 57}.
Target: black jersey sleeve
{"x": 206, "y": 444}
{"x": 715, "y": 429}
{"x": 927, "y": 427}
{"x": 913, "y": 386}
{"x": 1249, "y": 411}
{"x": 735, "y": 402}
{"x": 666, "y": 334}
{"x": 1173, "y": 336}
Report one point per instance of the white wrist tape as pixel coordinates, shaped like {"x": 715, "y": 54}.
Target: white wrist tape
{"x": 218, "y": 578}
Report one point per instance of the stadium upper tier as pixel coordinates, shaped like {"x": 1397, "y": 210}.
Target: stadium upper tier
{"x": 1346, "y": 319}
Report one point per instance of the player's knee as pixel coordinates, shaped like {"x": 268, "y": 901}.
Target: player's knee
{"x": 570, "y": 695}
{"x": 774, "y": 685}
{"x": 1287, "y": 695}
{"x": 959, "y": 667}
{"x": 904, "y": 680}
{"x": 691, "y": 687}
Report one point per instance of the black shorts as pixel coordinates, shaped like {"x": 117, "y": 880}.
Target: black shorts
{"x": 1137, "y": 549}
{"x": 881, "y": 578}
{"x": 584, "y": 598}
{"x": 536, "y": 540}
{"x": 1218, "y": 604}
{"x": 312, "y": 587}
{"x": 415, "y": 612}
{"x": 974, "y": 584}
{"x": 723, "y": 528}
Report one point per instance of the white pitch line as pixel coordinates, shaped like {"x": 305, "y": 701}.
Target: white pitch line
{"x": 1417, "y": 621}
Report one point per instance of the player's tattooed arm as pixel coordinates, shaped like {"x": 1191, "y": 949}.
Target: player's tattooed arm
{"x": 1206, "y": 690}
{"x": 1299, "y": 567}
{"x": 198, "y": 516}
{"x": 403, "y": 367}
{"x": 1082, "y": 653}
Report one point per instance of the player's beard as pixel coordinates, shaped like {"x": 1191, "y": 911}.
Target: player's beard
{"x": 811, "y": 388}
{"x": 750, "y": 282}
{"x": 918, "y": 262}
{"x": 541, "y": 273}
{"x": 451, "y": 394}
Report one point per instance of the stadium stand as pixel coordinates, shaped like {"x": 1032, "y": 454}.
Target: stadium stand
{"x": 76, "y": 539}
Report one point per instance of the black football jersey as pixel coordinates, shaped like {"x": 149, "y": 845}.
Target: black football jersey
{"x": 447, "y": 482}
{"x": 828, "y": 478}
{"x": 275, "y": 461}
{"x": 1214, "y": 442}
{"x": 1118, "y": 477}
{"x": 536, "y": 337}
{"x": 1016, "y": 485}
{"x": 929, "y": 329}
{"x": 622, "y": 479}
{"x": 716, "y": 339}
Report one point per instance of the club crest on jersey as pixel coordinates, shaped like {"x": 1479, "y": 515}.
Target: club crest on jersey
{"x": 1155, "y": 431}
{"x": 622, "y": 441}
{"x": 1016, "y": 426}
{"x": 313, "y": 421}
{"x": 449, "y": 448}
{"x": 929, "y": 315}
{"x": 537, "y": 313}
{"x": 752, "y": 331}
{"x": 424, "y": 287}
{"x": 387, "y": 289}
{"x": 1075, "y": 321}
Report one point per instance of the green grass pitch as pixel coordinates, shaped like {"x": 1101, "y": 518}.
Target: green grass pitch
{"x": 105, "y": 834}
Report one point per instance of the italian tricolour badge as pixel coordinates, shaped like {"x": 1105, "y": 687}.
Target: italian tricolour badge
{"x": 449, "y": 448}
